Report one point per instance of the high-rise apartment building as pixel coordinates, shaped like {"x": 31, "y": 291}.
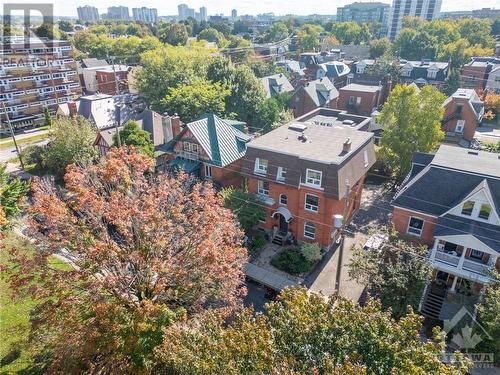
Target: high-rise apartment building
{"x": 365, "y": 13}
{"x": 35, "y": 76}
{"x": 425, "y": 9}
{"x": 148, "y": 15}
{"x": 203, "y": 14}
{"x": 88, "y": 13}
{"x": 118, "y": 13}
{"x": 234, "y": 14}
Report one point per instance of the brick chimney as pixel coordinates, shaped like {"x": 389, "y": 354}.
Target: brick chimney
{"x": 72, "y": 108}
{"x": 245, "y": 130}
{"x": 346, "y": 147}
{"x": 176, "y": 125}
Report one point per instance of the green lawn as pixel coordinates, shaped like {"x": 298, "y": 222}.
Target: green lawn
{"x": 4, "y": 144}
{"x": 14, "y": 313}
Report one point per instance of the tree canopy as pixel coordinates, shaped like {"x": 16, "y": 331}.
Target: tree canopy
{"x": 411, "y": 122}
{"x": 246, "y": 207}
{"x": 133, "y": 135}
{"x": 11, "y": 195}
{"x": 146, "y": 251}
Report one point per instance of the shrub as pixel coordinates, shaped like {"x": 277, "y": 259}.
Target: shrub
{"x": 33, "y": 154}
{"x": 291, "y": 261}
{"x": 311, "y": 251}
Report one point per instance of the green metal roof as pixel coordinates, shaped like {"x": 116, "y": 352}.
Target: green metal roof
{"x": 222, "y": 142}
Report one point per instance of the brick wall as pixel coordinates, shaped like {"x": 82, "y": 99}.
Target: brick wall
{"x": 401, "y": 218}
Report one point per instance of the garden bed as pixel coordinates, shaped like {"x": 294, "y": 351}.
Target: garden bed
{"x": 297, "y": 260}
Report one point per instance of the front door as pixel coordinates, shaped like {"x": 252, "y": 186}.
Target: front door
{"x": 283, "y": 227}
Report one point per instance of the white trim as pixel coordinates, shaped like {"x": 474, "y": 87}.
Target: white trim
{"x": 286, "y": 199}
{"x": 311, "y": 224}
{"x": 421, "y": 229}
{"x": 414, "y": 211}
{"x": 312, "y": 184}
{"x": 305, "y": 203}
{"x": 468, "y": 241}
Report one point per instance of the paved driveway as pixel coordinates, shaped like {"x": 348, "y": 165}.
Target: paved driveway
{"x": 374, "y": 211}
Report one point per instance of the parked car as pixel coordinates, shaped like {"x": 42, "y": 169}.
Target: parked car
{"x": 375, "y": 241}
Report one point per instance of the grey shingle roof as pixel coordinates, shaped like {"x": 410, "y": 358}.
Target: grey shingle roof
{"x": 452, "y": 175}
{"x": 275, "y": 84}
{"x": 450, "y": 225}
{"x": 222, "y": 142}
{"x": 321, "y": 91}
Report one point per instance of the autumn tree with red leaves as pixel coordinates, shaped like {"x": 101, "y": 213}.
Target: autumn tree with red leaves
{"x": 148, "y": 250}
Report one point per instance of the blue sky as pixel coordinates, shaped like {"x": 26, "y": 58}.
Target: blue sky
{"x": 169, "y": 7}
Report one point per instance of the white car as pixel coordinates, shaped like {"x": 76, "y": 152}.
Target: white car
{"x": 375, "y": 241}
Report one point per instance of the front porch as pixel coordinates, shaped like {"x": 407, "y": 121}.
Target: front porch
{"x": 445, "y": 296}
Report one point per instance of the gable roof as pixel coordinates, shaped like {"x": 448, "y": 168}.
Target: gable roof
{"x": 222, "y": 142}
{"x": 275, "y": 84}
{"x": 292, "y": 65}
{"x": 321, "y": 91}
{"x": 335, "y": 69}
{"x": 451, "y": 176}
{"x": 472, "y": 98}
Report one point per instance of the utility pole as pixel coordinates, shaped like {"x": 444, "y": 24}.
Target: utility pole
{"x": 12, "y": 134}
{"x": 342, "y": 235}
{"x": 117, "y": 109}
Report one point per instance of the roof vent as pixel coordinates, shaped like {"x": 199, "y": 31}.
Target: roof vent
{"x": 348, "y": 122}
{"x": 473, "y": 152}
{"x": 346, "y": 147}
{"x": 297, "y": 127}
{"x": 302, "y": 138}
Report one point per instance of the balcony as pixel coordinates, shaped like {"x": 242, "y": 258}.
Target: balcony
{"x": 457, "y": 260}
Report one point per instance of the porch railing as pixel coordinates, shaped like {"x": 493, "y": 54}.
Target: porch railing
{"x": 447, "y": 258}
{"x": 475, "y": 267}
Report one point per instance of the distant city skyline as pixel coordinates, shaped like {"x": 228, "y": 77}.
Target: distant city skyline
{"x": 279, "y": 7}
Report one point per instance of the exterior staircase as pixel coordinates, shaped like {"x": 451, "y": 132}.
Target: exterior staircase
{"x": 433, "y": 302}
{"x": 278, "y": 239}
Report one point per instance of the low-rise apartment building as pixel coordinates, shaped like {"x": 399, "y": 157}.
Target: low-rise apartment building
{"x": 305, "y": 174}
{"x": 34, "y": 76}
{"x": 451, "y": 203}
{"x": 463, "y": 113}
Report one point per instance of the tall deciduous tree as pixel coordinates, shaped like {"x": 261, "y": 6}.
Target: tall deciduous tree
{"x": 147, "y": 251}
{"x": 304, "y": 333}
{"x": 411, "y": 123}
{"x": 308, "y": 36}
{"x": 396, "y": 273}
{"x": 246, "y": 207}
{"x": 380, "y": 47}
{"x": 191, "y": 101}
{"x": 488, "y": 318}
{"x": 133, "y": 135}
{"x": 71, "y": 141}
{"x": 277, "y": 32}
{"x": 174, "y": 34}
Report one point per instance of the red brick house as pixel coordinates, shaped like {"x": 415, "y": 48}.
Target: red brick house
{"x": 302, "y": 173}
{"x": 463, "y": 113}
{"x": 474, "y": 74}
{"x": 359, "y": 99}
{"x": 211, "y": 148}
{"x": 312, "y": 95}
{"x": 450, "y": 202}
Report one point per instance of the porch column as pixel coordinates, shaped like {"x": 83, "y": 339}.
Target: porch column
{"x": 434, "y": 250}
{"x": 454, "y": 284}
{"x": 492, "y": 261}
{"x": 461, "y": 260}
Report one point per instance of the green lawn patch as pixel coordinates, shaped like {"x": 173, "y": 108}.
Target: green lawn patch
{"x": 23, "y": 141}
{"x": 292, "y": 261}
{"x": 14, "y": 312}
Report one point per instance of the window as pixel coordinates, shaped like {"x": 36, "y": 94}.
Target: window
{"x": 431, "y": 73}
{"x": 485, "y": 211}
{"x": 415, "y": 226}
{"x": 186, "y": 146}
{"x": 467, "y": 208}
{"x": 260, "y": 166}
{"x": 309, "y": 230}
{"x": 476, "y": 254}
{"x": 312, "y": 203}
{"x": 365, "y": 157}
{"x": 283, "y": 199}
{"x": 354, "y": 100}
{"x": 313, "y": 177}
{"x": 280, "y": 175}
{"x": 263, "y": 187}
{"x": 194, "y": 148}
{"x": 208, "y": 171}
{"x": 460, "y": 126}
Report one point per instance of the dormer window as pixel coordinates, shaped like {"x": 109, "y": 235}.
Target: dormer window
{"x": 431, "y": 73}
{"x": 485, "y": 211}
{"x": 260, "y": 166}
{"x": 467, "y": 208}
{"x": 313, "y": 177}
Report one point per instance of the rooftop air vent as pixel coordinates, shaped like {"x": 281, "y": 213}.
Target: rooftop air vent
{"x": 348, "y": 122}
{"x": 472, "y": 152}
{"x": 346, "y": 147}
{"x": 302, "y": 138}
{"x": 297, "y": 127}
